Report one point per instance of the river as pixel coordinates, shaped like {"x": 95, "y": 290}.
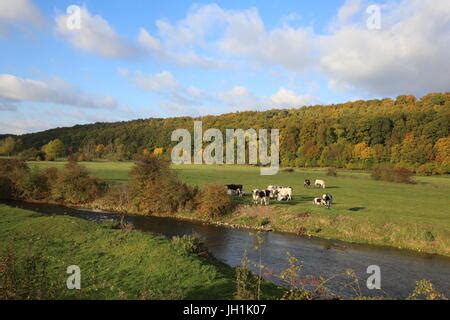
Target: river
{"x": 400, "y": 269}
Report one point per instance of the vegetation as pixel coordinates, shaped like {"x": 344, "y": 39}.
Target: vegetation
{"x": 389, "y": 173}
{"x": 36, "y": 250}
{"x": 364, "y": 210}
{"x": 214, "y": 201}
{"x": 405, "y": 132}
{"x": 155, "y": 189}
{"x": 54, "y": 149}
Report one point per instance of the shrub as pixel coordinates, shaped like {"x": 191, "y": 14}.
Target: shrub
{"x": 6, "y": 188}
{"x": 37, "y": 185}
{"x": 265, "y": 221}
{"x": 288, "y": 169}
{"x": 393, "y": 174}
{"x": 189, "y": 244}
{"x": 246, "y": 281}
{"x": 214, "y": 201}
{"x": 155, "y": 189}
{"x": 74, "y": 185}
{"x": 15, "y": 171}
{"x": 31, "y": 154}
{"x": 116, "y": 198}
{"x": 425, "y": 290}
{"x": 429, "y": 236}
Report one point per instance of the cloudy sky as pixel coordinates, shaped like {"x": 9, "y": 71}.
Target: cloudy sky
{"x": 133, "y": 59}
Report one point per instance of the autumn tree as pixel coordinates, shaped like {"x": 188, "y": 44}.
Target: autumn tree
{"x": 54, "y": 149}
{"x": 7, "y": 146}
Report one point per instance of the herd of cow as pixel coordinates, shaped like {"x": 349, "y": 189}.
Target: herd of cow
{"x": 263, "y": 196}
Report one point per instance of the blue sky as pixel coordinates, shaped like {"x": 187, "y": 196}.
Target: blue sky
{"x": 139, "y": 59}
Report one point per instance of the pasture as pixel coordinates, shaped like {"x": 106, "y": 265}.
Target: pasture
{"x": 414, "y": 216}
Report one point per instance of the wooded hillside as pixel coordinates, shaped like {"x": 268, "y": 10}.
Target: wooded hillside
{"x": 405, "y": 131}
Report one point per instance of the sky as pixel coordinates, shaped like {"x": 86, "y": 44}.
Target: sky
{"x": 64, "y": 62}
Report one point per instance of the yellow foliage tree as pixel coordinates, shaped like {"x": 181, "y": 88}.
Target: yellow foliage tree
{"x": 442, "y": 150}
{"x": 158, "y": 151}
{"x": 363, "y": 151}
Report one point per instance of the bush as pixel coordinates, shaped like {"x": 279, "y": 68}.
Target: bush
{"x": 189, "y": 244}
{"x": 288, "y": 169}
{"x": 155, "y": 189}
{"x": 6, "y": 188}
{"x": 393, "y": 174}
{"x": 265, "y": 221}
{"x": 214, "y": 201}
{"x": 31, "y": 154}
{"x": 16, "y": 172}
{"x": 74, "y": 185}
{"x": 37, "y": 185}
{"x": 429, "y": 236}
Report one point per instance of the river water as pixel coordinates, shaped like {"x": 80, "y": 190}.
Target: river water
{"x": 400, "y": 269}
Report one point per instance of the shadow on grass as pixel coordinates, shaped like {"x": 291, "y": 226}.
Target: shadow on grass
{"x": 356, "y": 209}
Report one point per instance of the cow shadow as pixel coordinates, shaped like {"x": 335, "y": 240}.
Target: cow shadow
{"x": 295, "y": 200}
{"x": 356, "y": 209}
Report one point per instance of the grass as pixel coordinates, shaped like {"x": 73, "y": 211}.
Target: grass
{"x": 412, "y": 216}
{"x": 115, "y": 264}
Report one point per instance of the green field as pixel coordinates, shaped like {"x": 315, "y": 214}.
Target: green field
{"x": 413, "y": 216}
{"x": 115, "y": 264}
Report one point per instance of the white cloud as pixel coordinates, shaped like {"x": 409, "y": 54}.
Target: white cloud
{"x": 176, "y": 97}
{"x": 96, "y": 36}
{"x": 182, "y": 57}
{"x": 408, "y": 55}
{"x": 18, "y": 12}
{"x": 15, "y": 90}
{"x": 160, "y": 82}
{"x": 348, "y": 10}
{"x": 240, "y": 98}
{"x": 210, "y": 36}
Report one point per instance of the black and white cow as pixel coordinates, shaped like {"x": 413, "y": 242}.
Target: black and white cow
{"x": 234, "y": 189}
{"x": 261, "y": 196}
{"x": 328, "y": 199}
{"x": 307, "y": 183}
{"x": 318, "y": 201}
{"x": 284, "y": 193}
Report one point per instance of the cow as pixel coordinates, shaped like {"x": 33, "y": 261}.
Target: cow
{"x": 284, "y": 193}
{"x": 328, "y": 199}
{"x": 307, "y": 183}
{"x": 319, "y": 184}
{"x": 261, "y": 196}
{"x": 234, "y": 189}
{"x": 318, "y": 201}
{"x": 273, "y": 191}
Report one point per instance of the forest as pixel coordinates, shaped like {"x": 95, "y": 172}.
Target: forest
{"x": 406, "y": 131}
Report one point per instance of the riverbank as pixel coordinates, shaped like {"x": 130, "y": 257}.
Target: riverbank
{"x": 114, "y": 263}
{"x": 406, "y": 216}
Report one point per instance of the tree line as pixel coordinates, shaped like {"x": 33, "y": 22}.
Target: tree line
{"x": 407, "y": 132}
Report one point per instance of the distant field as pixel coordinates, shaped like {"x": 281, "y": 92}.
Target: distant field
{"x": 414, "y": 216}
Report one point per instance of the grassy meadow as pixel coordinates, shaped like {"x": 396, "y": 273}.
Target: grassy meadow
{"x": 413, "y": 216}
{"x": 35, "y": 251}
